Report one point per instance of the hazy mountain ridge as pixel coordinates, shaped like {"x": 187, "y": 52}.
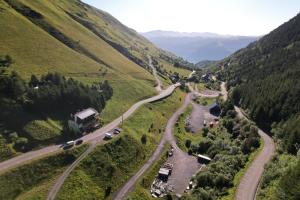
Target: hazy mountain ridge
{"x": 196, "y": 47}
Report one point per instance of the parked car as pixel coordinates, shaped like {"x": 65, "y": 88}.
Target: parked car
{"x": 108, "y": 136}
{"x": 79, "y": 142}
{"x": 117, "y": 130}
{"x": 69, "y": 144}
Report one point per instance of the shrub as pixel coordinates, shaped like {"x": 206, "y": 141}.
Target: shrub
{"x": 144, "y": 139}
{"x": 188, "y": 143}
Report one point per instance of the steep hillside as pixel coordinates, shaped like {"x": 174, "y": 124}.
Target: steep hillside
{"x": 80, "y": 42}
{"x": 264, "y": 78}
{"x": 76, "y": 40}
{"x": 266, "y": 74}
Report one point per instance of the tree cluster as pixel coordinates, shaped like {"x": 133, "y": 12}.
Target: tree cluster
{"x": 55, "y": 91}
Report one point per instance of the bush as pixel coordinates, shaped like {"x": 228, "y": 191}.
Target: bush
{"x": 188, "y": 143}
{"x": 144, "y": 139}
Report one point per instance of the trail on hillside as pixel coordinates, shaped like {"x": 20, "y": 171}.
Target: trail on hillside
{"x": 158, "y": 81}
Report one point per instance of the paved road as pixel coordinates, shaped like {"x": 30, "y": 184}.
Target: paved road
{"x": 97, "y": 137}
{"x": 53, "y": 192}
{"x": 248, "y": 185}
{"x": 29, "y": 156}
{"x": 247, "y": 188}
{"x": 167, "y": 137}
{"x": 214, "y": 95}
{"x": 158, "y": 82}
{"x": 224, "y": 91}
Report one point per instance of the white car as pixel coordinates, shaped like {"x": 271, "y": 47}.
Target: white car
{"x": 108, "y": 136}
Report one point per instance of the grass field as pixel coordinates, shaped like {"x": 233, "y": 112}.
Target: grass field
{"x": 142, "y": 188}
{"x": 109, "y": 166}
{"x": 36, "y": 50}
{"x": 30, "y": 181}
{"x": 181, "y": 134}
{"x": 205, "y": 101}
{"x": 43, "y": 129}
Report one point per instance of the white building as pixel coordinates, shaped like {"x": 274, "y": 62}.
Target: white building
{"x": 84, "y": 121}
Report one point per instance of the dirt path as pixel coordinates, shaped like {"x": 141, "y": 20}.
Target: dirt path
{"x": 248, "y": 185}
{"x": 158, "y": 82}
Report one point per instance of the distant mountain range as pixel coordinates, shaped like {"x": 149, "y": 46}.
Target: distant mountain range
{"x": 197, "y": 47}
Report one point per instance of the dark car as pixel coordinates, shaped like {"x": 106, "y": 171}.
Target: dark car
{"x": 117, "y": 130}
{"x": 79, "y": 142}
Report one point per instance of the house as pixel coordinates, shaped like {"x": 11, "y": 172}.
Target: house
{"x": 84, "y": 121}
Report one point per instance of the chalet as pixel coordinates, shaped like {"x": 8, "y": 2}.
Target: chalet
{"x": 84, "y": 121}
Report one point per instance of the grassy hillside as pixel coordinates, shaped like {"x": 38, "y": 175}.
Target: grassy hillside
{"x": 79, "y": 42}
{"x": 109, "y": 166}
{"x": 35, "y": 174}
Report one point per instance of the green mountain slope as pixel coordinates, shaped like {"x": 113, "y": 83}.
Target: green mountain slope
{"x": 264, "y": 80}
{"x": 80, "y": 42}
{"x": 54, "y": 36}
{"x": 266, "y": 74}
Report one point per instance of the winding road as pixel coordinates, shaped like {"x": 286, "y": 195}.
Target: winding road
{"x": 249, "y": 183}
{"x": 98, "y": 134}
{"x": 97, "y": 137}
{"x": 179, "y": 155}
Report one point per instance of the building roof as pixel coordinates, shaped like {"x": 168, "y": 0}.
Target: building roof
{"x": 164, "y": 171}
{"x": 204, "y": 157}
{"x": 86, "y": 113}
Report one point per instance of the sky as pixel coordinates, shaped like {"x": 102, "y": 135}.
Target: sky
{"x": 233, "y": 17}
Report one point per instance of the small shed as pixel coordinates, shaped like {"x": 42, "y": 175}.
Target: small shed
{"x": 163, "y": 174}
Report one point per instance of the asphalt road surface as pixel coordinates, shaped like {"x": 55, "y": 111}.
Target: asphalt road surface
{"x": 248, "y": 185}
{"x": 98, "y": 134}
{"x": 212, "y": 94}
{"x": 183, "y": 159}
{"x": 224, "y": 91}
